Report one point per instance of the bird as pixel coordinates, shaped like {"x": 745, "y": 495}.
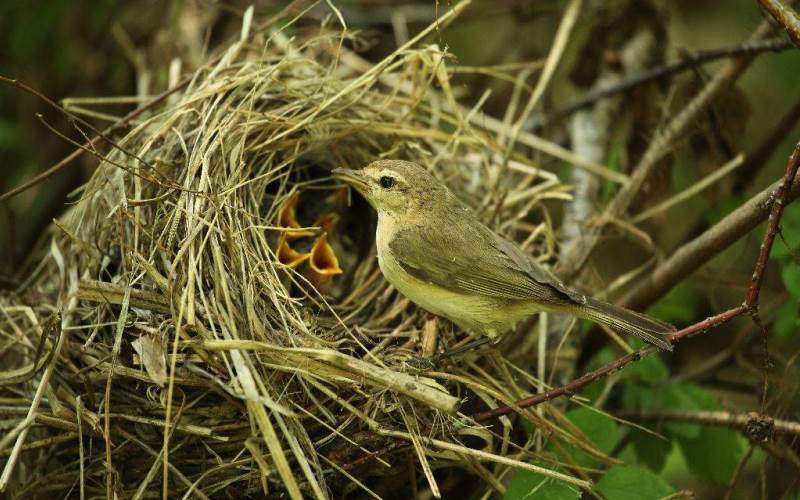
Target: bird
{"x": 433, "y": 249}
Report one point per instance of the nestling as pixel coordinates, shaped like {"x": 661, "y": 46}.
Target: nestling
{"x": 436, "y": 252}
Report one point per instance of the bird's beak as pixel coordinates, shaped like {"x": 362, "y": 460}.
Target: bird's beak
{"x": 355, "y": 178}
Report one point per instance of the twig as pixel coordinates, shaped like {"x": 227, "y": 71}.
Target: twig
{"x": 659, "y": 147}
{"x": 779, "y": 201}
{"x": 567, "y": 389}
{"x": 92, "y": 143}
{"x": 786, "y": 16}
{"x": 687, "y": 61}
{"x": 694, "y": 254}
{"x": 758, "y": 428}
{"x": 737, "y": 473}
{"x": 757, "y": 159}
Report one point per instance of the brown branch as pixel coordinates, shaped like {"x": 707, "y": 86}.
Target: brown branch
{"x": 737, "y": 473}
{"x": 694, "y": 254}
{"x": 687, "y": 61}
{"x": 568, "y": 389}
{"x": 758, "y": 428}
{"x": 785, "y": 15}
{"x": 778, "y": 201}
{"x": 659, "y": 147}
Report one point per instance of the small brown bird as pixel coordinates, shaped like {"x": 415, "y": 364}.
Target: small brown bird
{"x": 436, "y": 252}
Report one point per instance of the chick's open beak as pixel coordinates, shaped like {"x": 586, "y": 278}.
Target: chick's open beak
{"x": 353, "y": 177}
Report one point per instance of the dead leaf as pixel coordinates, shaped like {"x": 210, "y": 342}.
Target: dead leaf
{"x": 151, "y": 354}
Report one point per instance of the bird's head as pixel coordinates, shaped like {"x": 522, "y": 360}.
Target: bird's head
{"x": 395, "y": 187}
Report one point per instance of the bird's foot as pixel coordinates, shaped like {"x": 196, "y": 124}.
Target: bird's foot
{"x": 428, "y": 363}
{"x": 423, "y": 363}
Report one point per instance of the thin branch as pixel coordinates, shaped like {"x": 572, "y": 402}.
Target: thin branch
{"x": 758, "y": 428}
{"x": 89, "y": 144}
{"x": 694, "y": 254}
{"x": 778, "y": 201}
{"x": 659, "y": 147}
{"x": 687, "y": 61}
{"x": 786, "y": 16}
{"x": 781, "y": 199}
{"x": 568, "y": 389}
{"x": 737, "y": 473}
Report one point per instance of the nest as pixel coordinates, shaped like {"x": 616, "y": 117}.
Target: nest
{"x": 209, "y": 316}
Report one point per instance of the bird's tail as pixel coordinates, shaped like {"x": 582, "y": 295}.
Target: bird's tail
{"x": 624, "y": 320}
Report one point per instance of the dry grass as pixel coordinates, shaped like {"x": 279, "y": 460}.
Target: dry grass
{"x": 190, "y": 352}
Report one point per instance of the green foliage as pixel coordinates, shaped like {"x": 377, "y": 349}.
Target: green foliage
{"x": 713, "y": 454}
{"x": 9, "y": 134}
{"x": 787, "y": 319}
{"x": 790, "y": 274}
{"x": 723, "y": 208}
{"x": 785, "y": 253}
{"x": 710, "y": 452}
{"x": 686, "y": 397}
{"x": 598, "y": 428}
{"x": 603, "y": 357}
{"x": 650, "y": 370}
{"x": 632, "y": 483}
{"x": 651, "y": 449}
{"x": 679, "y": 305}
{"x": 527, "y": 484}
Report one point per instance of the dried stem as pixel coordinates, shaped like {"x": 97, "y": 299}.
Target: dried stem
{"x": 757, "y": 427}
{"x": 659, "y": 147}
{"x": 687, "y": 61}
{"x": 694, "y": 254}
{"x": 779, "y": 201}
{"x": 88, "y": 144}
{"x": 786, "y": 16}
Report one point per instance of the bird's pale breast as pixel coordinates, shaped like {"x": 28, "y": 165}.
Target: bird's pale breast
{"x": 474, "y": 313}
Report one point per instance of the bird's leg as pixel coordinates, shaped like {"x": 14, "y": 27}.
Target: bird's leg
{"x": 472, "y": 344}
{"x": 430, "y": 362}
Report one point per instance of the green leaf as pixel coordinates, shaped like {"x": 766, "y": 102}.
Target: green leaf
{"x": 527, "y": 484}
{"x": 598, "y": 428}
{"x": 787, "y": 319}
{"x": 791, "y": 279}
{"x": 713, "y": 454}
{"x": 687, "y": 397}
{"x": 679, "y": 305}
{"x": 640, "y": 397}
{"x": 651, "y": 450}
{"x": 650, "y": 370}
{"x": 790, "y": 229}
{"x": 632, "y": 483}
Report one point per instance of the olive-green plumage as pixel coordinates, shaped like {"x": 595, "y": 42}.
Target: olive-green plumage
{"x": 436, "y": 252}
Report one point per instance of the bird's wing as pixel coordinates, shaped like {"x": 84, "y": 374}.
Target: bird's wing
{"x": 474, "y": 260}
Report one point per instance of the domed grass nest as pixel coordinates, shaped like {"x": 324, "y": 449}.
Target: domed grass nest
{"x": 208, "y": 318}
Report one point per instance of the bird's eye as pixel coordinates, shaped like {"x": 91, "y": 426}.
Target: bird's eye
{"x": 386, "y": 182}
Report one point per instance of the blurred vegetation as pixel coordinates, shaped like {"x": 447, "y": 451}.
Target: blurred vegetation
{"x": 70, "y": 48}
